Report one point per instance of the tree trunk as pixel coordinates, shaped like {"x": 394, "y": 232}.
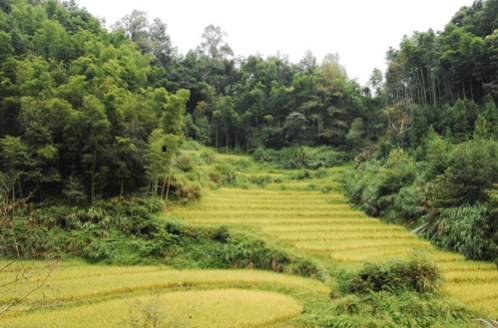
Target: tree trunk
{"x": 169, "y": 179}
{"x": 217, "y": 138}
{"x": 121, "y": 194}
{"x": 471, "y": 90}
{"x": 164, "y": 187}
{"x": 227, "y": 144}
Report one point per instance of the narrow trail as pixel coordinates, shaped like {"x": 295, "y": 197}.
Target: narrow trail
{"x": 323, "y": 225}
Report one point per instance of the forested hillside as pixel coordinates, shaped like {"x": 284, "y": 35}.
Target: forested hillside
{"x": 79, "y": 103}
{"x": 89, "y": 113}
{"x": 437, "y": 162}
{"x": 103, "y": 129}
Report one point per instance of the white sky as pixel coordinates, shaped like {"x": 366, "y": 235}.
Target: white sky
{"x": 361, "y": 31}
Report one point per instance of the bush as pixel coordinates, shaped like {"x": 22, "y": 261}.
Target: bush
{"x": 224, "y": 174}
{"x": 473, "y": 168}
{"x": 417, "y": 274}
{"x": 191, "y": 144}
{"x": 380, "y": 310}
{"x": 208, "y": 156}
{"x": 185, "y": 162}
{"x": 302, "y": 157}
{"x": 321, "y": 173}
{"x": 395, "y": 190}
{"x": 465, "y": 230}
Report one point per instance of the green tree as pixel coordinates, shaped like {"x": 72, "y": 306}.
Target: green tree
{"x": 96, "y": 145}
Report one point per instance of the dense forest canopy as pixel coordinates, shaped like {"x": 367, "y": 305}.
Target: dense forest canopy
{"x": 87, "y": 108}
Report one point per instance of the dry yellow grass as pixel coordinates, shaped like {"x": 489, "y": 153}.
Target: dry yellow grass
{"x": 213, "y": 308}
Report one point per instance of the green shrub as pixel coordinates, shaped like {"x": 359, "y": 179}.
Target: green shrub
{"x": 383, "y": 309}
{"x": 185, "y": 162}
{"x": 191, "y": 144}
{"x": 321, "y": 173}
{"x": 224, "y": 174}
{"x": 242, "y": 165}
{"x": 473, "y": 168}
{"x": 300, "y": 157}
{"x": 466, "y": 230}
{"x": 416, "y": 274}
{"x": 261, "y": 180}
{"x": 208, "y": 156}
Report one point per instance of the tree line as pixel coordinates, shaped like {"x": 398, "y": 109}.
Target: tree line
{"x": 435, "y": 166}
{"x": 90, "y": 111}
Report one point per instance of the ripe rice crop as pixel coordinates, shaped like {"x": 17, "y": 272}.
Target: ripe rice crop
{"x": 285, "y": 201}
{"x": 358, "y": 227}
{"x": 266, "y": 214}
{"x": 319, "y": 222}
{"x": 281, "y": 221}
{"x": 360, "y": 255}
{"x": 124, "y": 283}
{"x": 464, "y": 266}
{"x": 213, "y": 308}
{"x": 445, "y": 257}
{"x": 85, "y": 271}
{"x": 477, "y": 277}
{"x": 471, "y": 292}
{"x": 261, "y": 192}
{"x": 327, "y": 246}
{"x": 344, "y": 235}
{"x": 277, "y": 206}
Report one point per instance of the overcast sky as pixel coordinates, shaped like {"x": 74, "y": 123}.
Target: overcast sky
{"x": 360, "y": 31}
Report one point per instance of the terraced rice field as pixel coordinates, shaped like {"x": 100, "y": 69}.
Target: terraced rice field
{"x": 213, "y": 308}
{"x": 315, "y": 223}
{"x": 323, "y": 224}
{"x": 103, "y": 296}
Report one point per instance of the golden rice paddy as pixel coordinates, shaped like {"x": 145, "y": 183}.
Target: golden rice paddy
{"x": 322, "y": 223}
{"x": 84, "y": 287}
{"x": 212, "y": 308}
{"x": 312, "y": 222}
